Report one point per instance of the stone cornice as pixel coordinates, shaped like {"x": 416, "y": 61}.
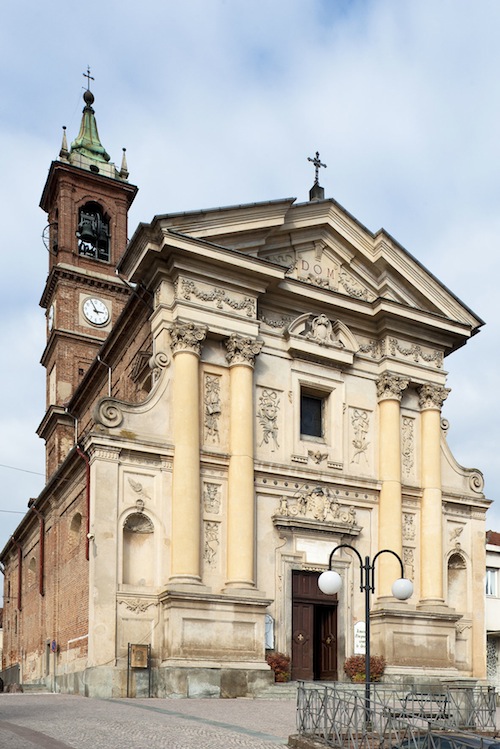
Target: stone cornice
{"x": 80, "y": 276}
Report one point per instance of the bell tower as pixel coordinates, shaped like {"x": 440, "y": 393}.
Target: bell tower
{"x": 86, "y": 199}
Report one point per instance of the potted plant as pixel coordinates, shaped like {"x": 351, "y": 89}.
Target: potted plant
{"x": 354, "y": 667}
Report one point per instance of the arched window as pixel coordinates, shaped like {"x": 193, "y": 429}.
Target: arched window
{"x": 93, "y": 232}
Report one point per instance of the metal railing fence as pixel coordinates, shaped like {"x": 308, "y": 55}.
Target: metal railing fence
{"x": 337, "y": 713}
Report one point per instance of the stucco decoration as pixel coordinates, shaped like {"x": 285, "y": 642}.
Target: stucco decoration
{"x": 157, "y": 364}
{"x": 317, "y": 456}
{"x": 353, "y": 287}
{"x": 408, "y": 526}
{"x": 316, "y": 504}
{"x": 274, "y": 321}
{"x": 218, "y": 296}
{"x": 186, "y": 336}
{"x": 432, "y": 396}
{"x": 211, "y": 498}
{"x": 409, "y": 563}
{"x": 211, "y": 542}
{"x": 138, "y": 605}
{"x": 137, "y": 522}
{"x": 391, "y": 386}
{"x": 109, "y": 413}
{"x": 360, "y": 425}
{"x": 267, "y": 415}
{"x": 416, "y": 352}
{"x": 139, "y": 490}
{"x": 371, "y": 347}
{"x": 212, "y": 406}
{"x": 316, "y": 336}
{"x": 407, "y": 445}
{"x": 476, "y": 482}
{"x": 242, "y": 350}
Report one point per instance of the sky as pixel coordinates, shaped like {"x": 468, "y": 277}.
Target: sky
{"x": 220, "y": 102}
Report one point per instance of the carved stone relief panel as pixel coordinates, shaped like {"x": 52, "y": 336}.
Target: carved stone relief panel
{"x": 268, "y": 411}
{"x": 138, "y": 490}
{"x": 212, "y": 498}
{"x": 409, "y": 562}
{"x": 211, "y": 543}
{"x": 360, "y": 440}
{"x": 316, "y": 503}
{"x": 408, "y": 448}
{"x": 212, "y": 407}
{"x": 408, "y": 526}
{"x": 215, "y": 297}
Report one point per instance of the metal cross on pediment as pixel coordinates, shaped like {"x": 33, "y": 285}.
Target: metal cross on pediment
{"x": 91, "y": 78}
{"x": 317, "y": 164}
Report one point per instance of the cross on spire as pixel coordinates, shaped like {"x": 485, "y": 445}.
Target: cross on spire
{"x": 90, "y": 78}
{"x": 317, "y": 163}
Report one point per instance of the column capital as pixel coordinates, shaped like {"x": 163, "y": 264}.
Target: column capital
{"x": 186, "y": 336}
{"x": 390, "y": 386}
{"x": 432, "y": 396}
{"x": 242, "y": 350}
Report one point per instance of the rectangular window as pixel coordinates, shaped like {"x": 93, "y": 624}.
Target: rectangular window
{"x": 312, "y": 416}
{"x": 491, "y": 581}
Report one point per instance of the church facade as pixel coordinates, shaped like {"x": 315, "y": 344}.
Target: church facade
{"x": 230, "y": 396}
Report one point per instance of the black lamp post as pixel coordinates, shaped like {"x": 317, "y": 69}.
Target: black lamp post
{"x": 330, "y": 583}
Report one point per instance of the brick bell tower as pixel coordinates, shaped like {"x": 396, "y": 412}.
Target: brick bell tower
{"x": 87, "y": 201}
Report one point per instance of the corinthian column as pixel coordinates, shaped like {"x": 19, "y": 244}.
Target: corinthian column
{"x": 186, "y": 340}
{"x": 390, "y": 518}
{"x": 241, "y": 353}
{"x": 431, "y": 399}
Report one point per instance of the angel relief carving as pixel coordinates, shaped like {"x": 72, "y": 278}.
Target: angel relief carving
{"x": 318, "y": 504}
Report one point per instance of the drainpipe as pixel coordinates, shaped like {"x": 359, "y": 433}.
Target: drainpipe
{"x": 86, "y": 458}
{"x": 41, "y": 559}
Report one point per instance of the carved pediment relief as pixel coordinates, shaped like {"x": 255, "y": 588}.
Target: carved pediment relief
{"x": 316, "y": 336}
{"x": 316, "y": 510}
{"x": 319, "y": 266}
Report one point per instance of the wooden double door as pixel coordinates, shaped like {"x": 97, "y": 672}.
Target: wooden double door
{"x": 314, "y": 629}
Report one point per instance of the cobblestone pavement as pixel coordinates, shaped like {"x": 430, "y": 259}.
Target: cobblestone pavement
{"x": 57, "y": 721}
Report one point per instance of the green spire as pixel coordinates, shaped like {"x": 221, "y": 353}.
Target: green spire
{"x": 87, "y": 142}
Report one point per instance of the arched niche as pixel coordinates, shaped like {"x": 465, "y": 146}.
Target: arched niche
{"x": 75, "y": 531}
{"x": 32, "y": 571}
{"x": 457, "y": 582}
{"x": 138, "y": 550}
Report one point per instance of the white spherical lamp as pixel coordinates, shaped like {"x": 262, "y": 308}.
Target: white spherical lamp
{"x": 330, "y": 582}
{"x": 402, "y": 588}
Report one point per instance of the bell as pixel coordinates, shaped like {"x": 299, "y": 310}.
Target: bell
{"x": 86, "y": 229}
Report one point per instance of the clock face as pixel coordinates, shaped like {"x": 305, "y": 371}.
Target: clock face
{"x": 95, "y": 311}
{"x": 50, "y": 317}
